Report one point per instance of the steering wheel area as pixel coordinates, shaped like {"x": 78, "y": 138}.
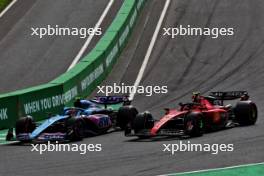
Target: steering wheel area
{"x": 189, "y": 106}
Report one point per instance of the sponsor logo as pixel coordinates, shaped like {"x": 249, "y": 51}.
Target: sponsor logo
{"x": 3, "y": 114}
{"x": 133, "y": 18}
{"x": 111, "y": 55}
{"x": 86, "y": 82}
{"x": 124, "y": 36}
{"x": 50, "y": 102}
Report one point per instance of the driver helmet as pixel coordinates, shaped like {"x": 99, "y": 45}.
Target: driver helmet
{"x": 77, "y": 102}
{"x": 70, "y": 112}
{"x": 244, "y": 97}
{"x": 196, "y": 98}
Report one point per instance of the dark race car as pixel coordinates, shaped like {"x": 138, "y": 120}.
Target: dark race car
{"x": 204, "y": 113}
{"x": 88, "y": 117}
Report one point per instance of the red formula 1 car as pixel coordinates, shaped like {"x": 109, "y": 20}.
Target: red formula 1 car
{"x": 193, "y": 119}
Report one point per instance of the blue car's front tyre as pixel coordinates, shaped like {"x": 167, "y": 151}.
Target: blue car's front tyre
{"x": 75, "y": 129}
{"x": 25, "y": 125}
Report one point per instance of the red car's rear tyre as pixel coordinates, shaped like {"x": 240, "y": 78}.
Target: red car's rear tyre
{"x": 246, "y": 113}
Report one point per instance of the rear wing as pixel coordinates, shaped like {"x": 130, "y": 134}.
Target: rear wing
{"x": 108, "y": 100}
{"x": 229, "y": 95}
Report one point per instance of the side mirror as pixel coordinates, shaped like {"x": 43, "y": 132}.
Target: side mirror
{"x": 127, "y": 102}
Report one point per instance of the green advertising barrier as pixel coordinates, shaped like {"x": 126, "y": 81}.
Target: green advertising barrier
{"x": 140, "y": 4}
{"x": 68, "y": 82}
{"x": 88, "y": 80}
{"x": 40, "y": 101}
{"x": 81, "y": 80}
{"x": 109, "y": 45}
{"x": 8, "y": 110}
{"x": 242, "y": 170}
{"x": 121, "y": 24}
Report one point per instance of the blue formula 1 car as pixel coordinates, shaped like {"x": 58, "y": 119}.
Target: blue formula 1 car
{"x": 86, "y": 118}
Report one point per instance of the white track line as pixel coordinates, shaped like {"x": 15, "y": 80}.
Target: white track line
{"x": 215, "y": 169}
{"x": 7, "y": 8}
{"x": 9, "y": 142}
{"x": 150, "y": 48}
{"x": 89, "y": 39}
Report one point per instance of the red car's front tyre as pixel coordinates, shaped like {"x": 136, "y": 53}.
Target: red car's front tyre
{"x": 194, "y": 124}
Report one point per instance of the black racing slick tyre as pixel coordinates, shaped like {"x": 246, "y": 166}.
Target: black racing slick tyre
{"x": 143, "y": 121}
{"x": 25, "y": 125}
{"x": 75, "y": 129}
{"x": 194, "y": 124}
{"x": 125, "y": 115}
{"x": 246, "y": 113}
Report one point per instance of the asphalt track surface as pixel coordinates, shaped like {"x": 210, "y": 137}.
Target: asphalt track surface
{"x": 184, "y": 64}
{"x": 28, "y": 60}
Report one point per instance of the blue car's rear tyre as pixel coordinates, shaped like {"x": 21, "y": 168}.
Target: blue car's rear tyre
{"x": 143, "y": 121}
{"x": 126, "y": 115}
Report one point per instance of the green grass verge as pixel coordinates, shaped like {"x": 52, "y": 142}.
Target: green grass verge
{"x": 247, "y": 170}
{"x": 3, "y": 4}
